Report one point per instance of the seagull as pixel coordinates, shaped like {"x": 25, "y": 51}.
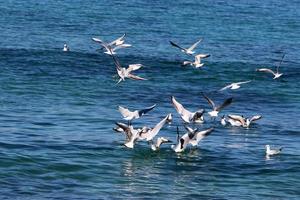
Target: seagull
{"x": 189, "y": 50}
{"x": 66, "y": 48}
{"x": 276, "y": 74}
{"x": 198, "y": 135}
{"x": 187, "y": 116}
{"x": 159, "y": 142}
{"x": 223, "y": 120}
{"x": 149, "y": 133}
{"x": 234, "y": 86}
{"x": 126, "y": 72}
{"x": 237, "y": 120}
{"x": 131, "y": 134}
{"x": 114, "y": 45}
{"x": 197, "y": 63}
{"x": 131, "y": 115}
{"x": 183, "y": 141}
{"x": 271, "y": 152}
{"x": 216, "y": 110}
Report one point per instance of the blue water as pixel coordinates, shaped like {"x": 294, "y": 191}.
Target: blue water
{"x": 57, "y": 109}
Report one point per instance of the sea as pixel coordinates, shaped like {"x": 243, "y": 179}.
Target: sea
{"x": 58, "y": 109}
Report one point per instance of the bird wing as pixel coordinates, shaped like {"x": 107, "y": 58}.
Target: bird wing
{"x": 277, "y": 68}
{"x": 243, "y": 82}
{"x": 134, "y": 77}
{"x": 226, "y": 87}
{"x": 121, "y": 46}
{"x": 126, "y": 129}
{"x": 175, "y": 45}
{"x": 266, "y": 70}
{"x": 134, "y": 67}
{"x": 190, "y": 130}
{"x": 97, "y": 40}
{"x": 125, "y": 112}
{"x": 156, "y": 129}
{"x": 255, "y": 117}
{"x": 237, "y": 118}
{"x": 117, "y": 40}
{"x": 184, "y": 113}
{"x": 191, "y": 48}
{"x": 116, "y": 61}
{"x": 202, "y": 134}
{"x": 210, "y": 101}
{"x": 144, "y": 111}
{"x": 227, "y": 102}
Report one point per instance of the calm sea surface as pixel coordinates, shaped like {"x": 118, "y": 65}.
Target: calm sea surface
{"x": 57, "y": 109}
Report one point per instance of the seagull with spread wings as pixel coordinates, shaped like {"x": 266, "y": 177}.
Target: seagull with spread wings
{"x": 234, "y": 86}
{"x": 197, "y": 63}
{"x": 217, "y": 109}
{"x": 190, "y": 50}
{"x": 131, "y": 115}
{"x": 275, "y": 74}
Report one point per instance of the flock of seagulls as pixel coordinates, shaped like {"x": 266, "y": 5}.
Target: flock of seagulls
{"x": 192, "y": 136}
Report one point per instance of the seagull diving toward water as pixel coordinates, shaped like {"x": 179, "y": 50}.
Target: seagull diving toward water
{"x": 271, "y": 152}
{"x": 114, "y": 45}
{"x": 131, "y": 134}
{"x": 159, "y": 141}
{"x": 183, "y": 141}
{"x": 131, "y": 115}
{"x": 276, "y": 74}
{"x": 237, "y": 120}
{"x": 216, "y": 110}
{"x": 190, "y": 50}
{"x": 199, "y": 135}
{"x": 149, "y": 133}
{"x": 126, "y": 72}
{"x": 187, "y": 116}
{"x": 234, "y": 86}
{"x": 197, "y": 63}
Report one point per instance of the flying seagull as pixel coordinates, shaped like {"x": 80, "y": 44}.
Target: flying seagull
{"x": 187, "y": 116}
{"x": 275, "y": 74}
{"x": 131, "y": 134}
{"x": 197, "y": 63}
{"x": 131, "y": 115}
{"x": 271, "y": 152}
{"x": 190, "y": 50}
{"x": 149, "y": 133}
{"x": 234, "y": 86}
{"x": 198, "y": 135}
{"x": 237, "y": 120}
{"x": 159, "y": 141}
{"x": 216, "y": 110}
{"x": 126, "y": 72}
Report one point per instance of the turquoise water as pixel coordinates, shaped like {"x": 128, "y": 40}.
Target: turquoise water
{"x": 58, "y": 109}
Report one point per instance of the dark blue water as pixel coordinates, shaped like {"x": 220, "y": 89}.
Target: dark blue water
{"x": 58, "y": 109}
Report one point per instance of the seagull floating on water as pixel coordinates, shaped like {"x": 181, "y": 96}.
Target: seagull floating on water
{"x": 149, "y": 133}
{"x": 234, "y": 86}
{"x": 276, "y": 74}
{"x": 187, "y": 116}
{"x": 126, "y": 72}
{"x": 197, "y": 63}
{"x": 66, "y": 48}
{"x": 271, "y": 152}
{"x": 216, "y": 110}
{"x": 159, "y": 141}
{"x": 190, "y": 50}
{"x": 131, "y": 115}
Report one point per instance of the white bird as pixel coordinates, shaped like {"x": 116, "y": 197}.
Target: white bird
{"x": 237, "y": 120}
{"x": 223, "y": 120}
{"x": 149, "y": 133}
{"x": 271, "y": 152}
{"x": 216, "y": 110}
{"x": 197, "y": 63}
{"x": 159, "y": 141}
{"x": 276, "y": 74}
{"x": 127, "y": 72}
{"x": 234, "y": 86}
{"x": 198, "y": 135}
{"x": 187, "y": 116}
{"x": 131, "y": 115}
{"x": 190, "y": 50}
{"x": 66, "y": 48}
{"x": 114, "y": 45}
{"x": 131, "y": 134}
{"x": 183, "y": 141}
